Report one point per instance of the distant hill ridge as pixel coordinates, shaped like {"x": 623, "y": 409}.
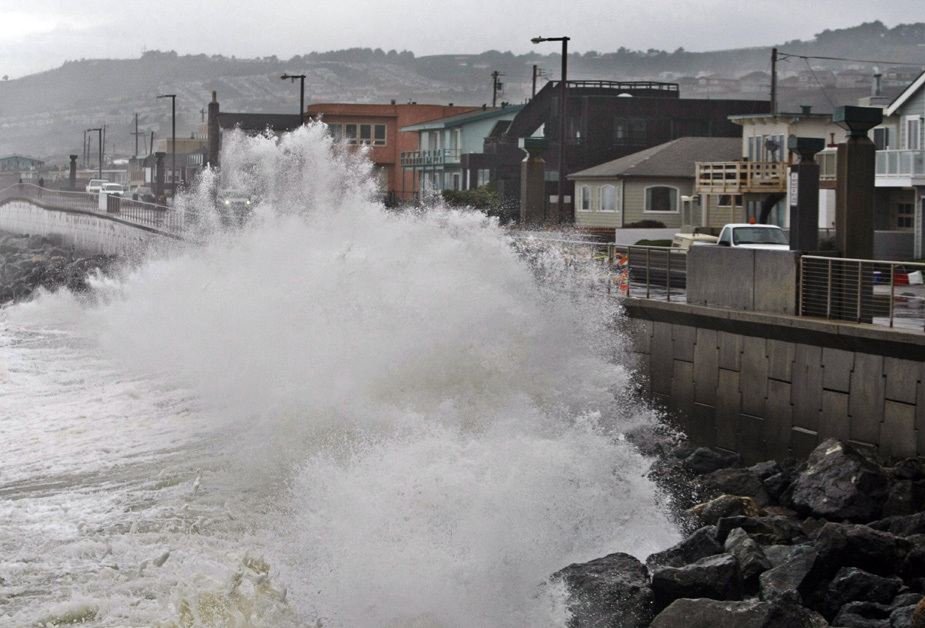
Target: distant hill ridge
{"x": 44, "y": 115}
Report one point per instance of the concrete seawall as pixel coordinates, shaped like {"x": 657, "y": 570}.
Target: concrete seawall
{"x": 769, "y": 386}
{"x": 84, "y": 231}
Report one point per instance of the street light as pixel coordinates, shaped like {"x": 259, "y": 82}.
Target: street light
{"x": 100, "y": 141}
{"x": 301, "y": 78}
{"x": 173, "y": 138}
{"x": 563, "y": 109}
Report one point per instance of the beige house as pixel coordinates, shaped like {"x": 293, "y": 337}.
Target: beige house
{"x": 647, "y": 185}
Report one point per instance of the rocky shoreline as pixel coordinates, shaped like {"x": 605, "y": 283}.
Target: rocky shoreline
{"x": 28, "y": 263}
{"x": 836, "y": 540}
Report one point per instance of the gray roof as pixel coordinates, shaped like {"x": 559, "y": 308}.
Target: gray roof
{"x": 460, "y": 119}
{"x": 674, "y": 159}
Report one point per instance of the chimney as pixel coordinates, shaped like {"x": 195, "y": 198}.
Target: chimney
{"x": 876, "y": 88}
{"x": 214, "y": 132}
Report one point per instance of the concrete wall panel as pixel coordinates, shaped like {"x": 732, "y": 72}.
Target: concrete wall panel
{"x": 802, "y": 442}
{"x": 662, "y": 358}
{"x": 683, "y": 338}
{"x": 750, "y": 440}
{"x": 640, "y": 335}
{"x": 901, "y": 379}
{"x": 728, "y": 408}
{"x": 703, "y": 425}
{"x": 780, "y": 360}
{"x": 682, "y": 387}
{"x": 837, "y": 365}
{"x": 706, "y": 263}
{"x": 706, "y": 366}
{"x": 754, "y": 382}
{"x": 833, "y": 422}
{"x": 866, "y": 399}
{"x": 897, "y": 437}
{"x": 730, "y": 351}
{"x": 778, "y": 416}
{"x": 807, "y": 386}
{"x": 776, "y": 281}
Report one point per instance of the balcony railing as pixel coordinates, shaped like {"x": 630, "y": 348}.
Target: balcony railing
{"x": 741, "y": 177}
{"x": 900, "y": 163}
{"x": 422, "y": 158}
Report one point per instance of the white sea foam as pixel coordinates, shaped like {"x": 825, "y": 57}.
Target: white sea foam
{"x": 386, "y": 407}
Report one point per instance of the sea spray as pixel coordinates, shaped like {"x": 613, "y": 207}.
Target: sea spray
{"x": 409, "y": 426}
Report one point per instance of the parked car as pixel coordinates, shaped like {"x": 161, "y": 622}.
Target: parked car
{"x": 748, "y": 236}
{"x": 143, "y": 194}
{"x": 96, "y": 185}
{"x": 115, "y": 189}
{"x": 234, "y": 206}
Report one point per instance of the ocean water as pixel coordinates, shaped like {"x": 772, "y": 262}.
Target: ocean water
{"x": 335, "y": 416}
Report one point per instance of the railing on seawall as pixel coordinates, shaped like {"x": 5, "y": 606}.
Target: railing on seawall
{"x": 863, "y": 291}
{"x": 651, "y": 272}
{"x": 143, "y": 214}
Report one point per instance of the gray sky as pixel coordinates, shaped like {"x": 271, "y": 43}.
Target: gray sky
{"x": 41, "y": 34}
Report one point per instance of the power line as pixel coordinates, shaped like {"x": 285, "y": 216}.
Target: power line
{"x": 787, "y": 55}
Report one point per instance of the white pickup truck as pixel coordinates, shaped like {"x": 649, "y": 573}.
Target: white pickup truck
{"x": 748, "y": 236}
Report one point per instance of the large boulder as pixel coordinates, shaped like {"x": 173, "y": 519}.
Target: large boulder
{"x": 791, "y": 565}
{"x": 715, "y": 577}
{"x": 848, "y": 545}
{"x": 612, "y": 591}
{"x": 735, "y": 481}
{"x": 704, "y": 460}
{"x": 748, "y": 554}
{"x": 772, "y": 530}
{"x": 723, "y": 506}
{"x": 707, "y": 613}
{"x": 700, "y": 544}
{"x": 839, "y": 483}
{"x": 856, "y": 585}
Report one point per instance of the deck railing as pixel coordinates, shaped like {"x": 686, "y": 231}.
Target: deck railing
{"x": 437, "y": 157}
{"x": 741, "y": 177}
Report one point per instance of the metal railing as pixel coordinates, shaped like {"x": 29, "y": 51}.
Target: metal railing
{"x": 863, "y": 291}
{"x": 437, "y": 157}
{"x": 145, "y": 214}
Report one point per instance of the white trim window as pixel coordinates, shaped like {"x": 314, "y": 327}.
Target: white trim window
{"x": 584, "y": 198}
{"x": 356, "y": 133}
{"x": 661, "y": 199}
{"x": 608, "y": 198}
{"x": 913, "y": 125}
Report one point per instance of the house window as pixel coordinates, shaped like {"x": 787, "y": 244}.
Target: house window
{"x": 484, "y": 177}
{"x": 608, "y": 198}
{"x": 913, "y": 129}
{"x": 619, "y": 131}
{"x": 354, "y": 133}
{"x": 883, "y": 137}
{"x": 904, "y": 216}
{"x": 585, "y": 196}
{"x": 637, "y": 131}
{"x": 661, "y": 198}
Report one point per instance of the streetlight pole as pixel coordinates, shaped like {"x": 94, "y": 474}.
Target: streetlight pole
{"x": 173, "y": 139}
{"x": 563, "y": 117}
{"x": 100, "y": 142}
{"x": 301, "y": 78}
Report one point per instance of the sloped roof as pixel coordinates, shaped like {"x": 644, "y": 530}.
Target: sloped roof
{"x": 462, "y": 118}
{"x": 906, "y": 94}
{"x": 673, "y": 159}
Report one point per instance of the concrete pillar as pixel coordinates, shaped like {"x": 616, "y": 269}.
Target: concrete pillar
{"x": 73, "y": 173}
{"x": 214, "y": 132}
{"x": 533, "y": 182}
{"x": 854, "y": 188}
{"x": 804, "y": 194}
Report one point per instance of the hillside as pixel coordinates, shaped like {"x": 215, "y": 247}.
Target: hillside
{"x": 44, "y": 115}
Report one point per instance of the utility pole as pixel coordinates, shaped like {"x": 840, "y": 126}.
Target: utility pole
{"x": 496, "y": 86}
{"x": 533, "y": 93}
{"x": 137, "y": 133}
{"x": 773, "y": 81}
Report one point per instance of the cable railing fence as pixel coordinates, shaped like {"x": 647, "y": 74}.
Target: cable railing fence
{"x": 863, "y": 291}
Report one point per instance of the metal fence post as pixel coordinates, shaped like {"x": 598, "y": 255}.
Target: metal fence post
{"x": 892, "y": 290}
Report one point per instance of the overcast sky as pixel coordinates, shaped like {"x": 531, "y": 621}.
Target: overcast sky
{"x": 38, "y": 35}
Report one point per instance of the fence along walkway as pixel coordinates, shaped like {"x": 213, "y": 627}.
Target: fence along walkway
{"x": 861, "y": 291}
{"x": 149, "y": 215}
